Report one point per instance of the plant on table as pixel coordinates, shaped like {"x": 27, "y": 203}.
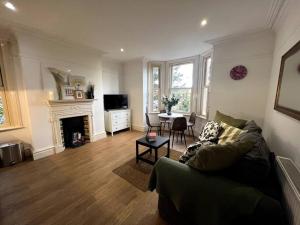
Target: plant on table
{"x": 169, "y": 103}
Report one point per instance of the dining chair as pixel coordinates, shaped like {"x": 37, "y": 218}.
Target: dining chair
{"x": 179, "y": 126}
{"x": 164, "y": 121}
{"x": 150, "y": 126}
{"x": 191, "y": 123}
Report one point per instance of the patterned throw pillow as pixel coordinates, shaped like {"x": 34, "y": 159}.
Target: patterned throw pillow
{"x": 230, "y": 134}
{"x": 210, "y": 131}
{"x": 192, "y": 150}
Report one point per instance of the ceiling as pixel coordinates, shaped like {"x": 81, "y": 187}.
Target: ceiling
{"x": 156, "y": 29}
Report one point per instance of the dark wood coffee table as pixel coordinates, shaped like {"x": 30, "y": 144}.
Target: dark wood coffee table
{"x": 160, "y": 141}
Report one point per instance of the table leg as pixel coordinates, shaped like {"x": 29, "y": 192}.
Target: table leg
{"x": 155, "y": 154}
{"x": 137, "y": 152}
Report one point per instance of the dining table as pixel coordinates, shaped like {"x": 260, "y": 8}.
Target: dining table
{"x": 171, "y": 117}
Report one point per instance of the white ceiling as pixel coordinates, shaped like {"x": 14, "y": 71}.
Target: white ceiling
{"x": 156, "y": 29}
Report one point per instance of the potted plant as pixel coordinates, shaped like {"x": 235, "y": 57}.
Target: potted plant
{"x": 169, "y": 103}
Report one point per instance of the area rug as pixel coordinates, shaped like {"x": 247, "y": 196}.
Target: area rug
{"x": 138, "y": 174}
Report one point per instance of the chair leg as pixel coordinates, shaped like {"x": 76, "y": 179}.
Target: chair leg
{"x": 184, "y": 139}
{"x": 193, "y": 133}
{"x": 173, "y": 138}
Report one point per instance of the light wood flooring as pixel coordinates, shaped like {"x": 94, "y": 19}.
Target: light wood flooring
{"x": 78, "y": 186}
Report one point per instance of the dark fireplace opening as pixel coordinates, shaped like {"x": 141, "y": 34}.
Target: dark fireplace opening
{"x": 74, "y": 131}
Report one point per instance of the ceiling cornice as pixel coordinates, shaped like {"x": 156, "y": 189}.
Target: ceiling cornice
{"x": 274, "y": 11}
{"x": 281, "y": 14}
{"x": 241, "y": 35}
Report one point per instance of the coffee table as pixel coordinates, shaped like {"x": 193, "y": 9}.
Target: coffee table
{"x": 160, "y": 141}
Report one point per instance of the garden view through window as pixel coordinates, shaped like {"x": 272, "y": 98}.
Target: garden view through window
{"x": 2, "y": 117}
{"x": 155, "y": 88}
{"x": 181, "y": 85}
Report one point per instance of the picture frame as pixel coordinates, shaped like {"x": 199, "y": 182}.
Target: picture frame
{"x": 286, "y": 100}
{"x": 78, "y": 94}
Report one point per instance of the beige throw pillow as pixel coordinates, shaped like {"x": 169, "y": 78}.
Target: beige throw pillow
{"x": 230, "y": 134}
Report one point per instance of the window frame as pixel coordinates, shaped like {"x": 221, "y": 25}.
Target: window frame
{"x": 7, "y": 122}
{"x": 150, "y": 85}
{"x": 170, "y": 74}
{"x": 198, "y": 81}
{"x": 203, "y": 85}
{"x": 9, "y": 89}
{"x": 194, "y": 90}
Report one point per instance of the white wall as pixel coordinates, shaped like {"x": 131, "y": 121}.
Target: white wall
{"x": 33, "y": 55}
{"x": 281, "y": 131}
{"x": 133, "y": 81}
{"x": 244, "y": 98}
{"x": 112, "y": 72}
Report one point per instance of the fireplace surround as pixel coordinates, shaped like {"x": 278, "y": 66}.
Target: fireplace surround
{"x": 64, "y": 109}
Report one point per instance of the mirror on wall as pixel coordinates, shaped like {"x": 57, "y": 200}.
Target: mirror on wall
{"x": 288, "y": 89}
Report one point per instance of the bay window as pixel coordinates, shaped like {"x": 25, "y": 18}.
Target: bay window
{"x": 188, "y": 79}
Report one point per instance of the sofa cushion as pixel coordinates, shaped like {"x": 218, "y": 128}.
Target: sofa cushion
{"x": 254, "y": 167}
{"x": 218, "y": 157}
{"x": 239, "y": 123}
{"x": 210, "y": 131}
{"x": 251, "y": 126}
{"x": 230, "y": 134}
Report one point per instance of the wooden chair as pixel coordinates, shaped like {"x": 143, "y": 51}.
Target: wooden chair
{"x": 179, "y": 126}
{"x": 191, "y": 123}
{"x": 150, "y": 126}
{"x": 164, "y": 121}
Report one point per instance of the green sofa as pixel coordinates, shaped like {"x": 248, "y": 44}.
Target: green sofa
{"x": 188, "y": 196}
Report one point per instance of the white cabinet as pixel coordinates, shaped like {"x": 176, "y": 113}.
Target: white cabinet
{"x": 116, "y": 120}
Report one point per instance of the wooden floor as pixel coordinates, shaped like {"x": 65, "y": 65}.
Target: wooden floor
{"x": 77, "y": 186}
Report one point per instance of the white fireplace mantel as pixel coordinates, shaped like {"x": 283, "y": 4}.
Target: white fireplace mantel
{"x": 61, "y": 109}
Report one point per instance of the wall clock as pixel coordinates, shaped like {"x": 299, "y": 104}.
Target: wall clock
{"x": 238, "y": 72}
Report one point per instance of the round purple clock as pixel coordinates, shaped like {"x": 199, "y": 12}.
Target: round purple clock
{"x": 238, "y": 72}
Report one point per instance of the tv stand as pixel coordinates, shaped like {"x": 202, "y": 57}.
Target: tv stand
{"x": 116, "y": 120}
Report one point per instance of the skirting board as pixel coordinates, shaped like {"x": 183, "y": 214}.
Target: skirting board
{"x": 138, "y": 128}
{"x": 99, "y": 136}
{"x": 44, "y": 152}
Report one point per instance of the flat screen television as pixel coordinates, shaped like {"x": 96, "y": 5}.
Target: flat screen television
{"x": 115, "y": 102}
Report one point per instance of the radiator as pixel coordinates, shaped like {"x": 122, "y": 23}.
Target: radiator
{"x": 289, "y": 177}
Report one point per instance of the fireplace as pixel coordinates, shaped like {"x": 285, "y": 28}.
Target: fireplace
{"x": 74, "y": 131}
{"x": 72, "y": 123}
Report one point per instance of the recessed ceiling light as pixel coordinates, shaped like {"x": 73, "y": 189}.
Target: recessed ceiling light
{"x": 122, "y": 49}
{"x": 69, "y": 70}
{"x": 203, "y": 22}
{"x": 10, "y": 6}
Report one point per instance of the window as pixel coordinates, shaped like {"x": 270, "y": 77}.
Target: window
{"x": 154, "y": 97}
{"x": 181, "y": 85}
{"x": 188, "y": 79}
{"x": 206, "y": 84}
{"x": 4, "y": 119}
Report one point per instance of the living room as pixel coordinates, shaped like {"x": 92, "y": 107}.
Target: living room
{"x": 84, "y": 85}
